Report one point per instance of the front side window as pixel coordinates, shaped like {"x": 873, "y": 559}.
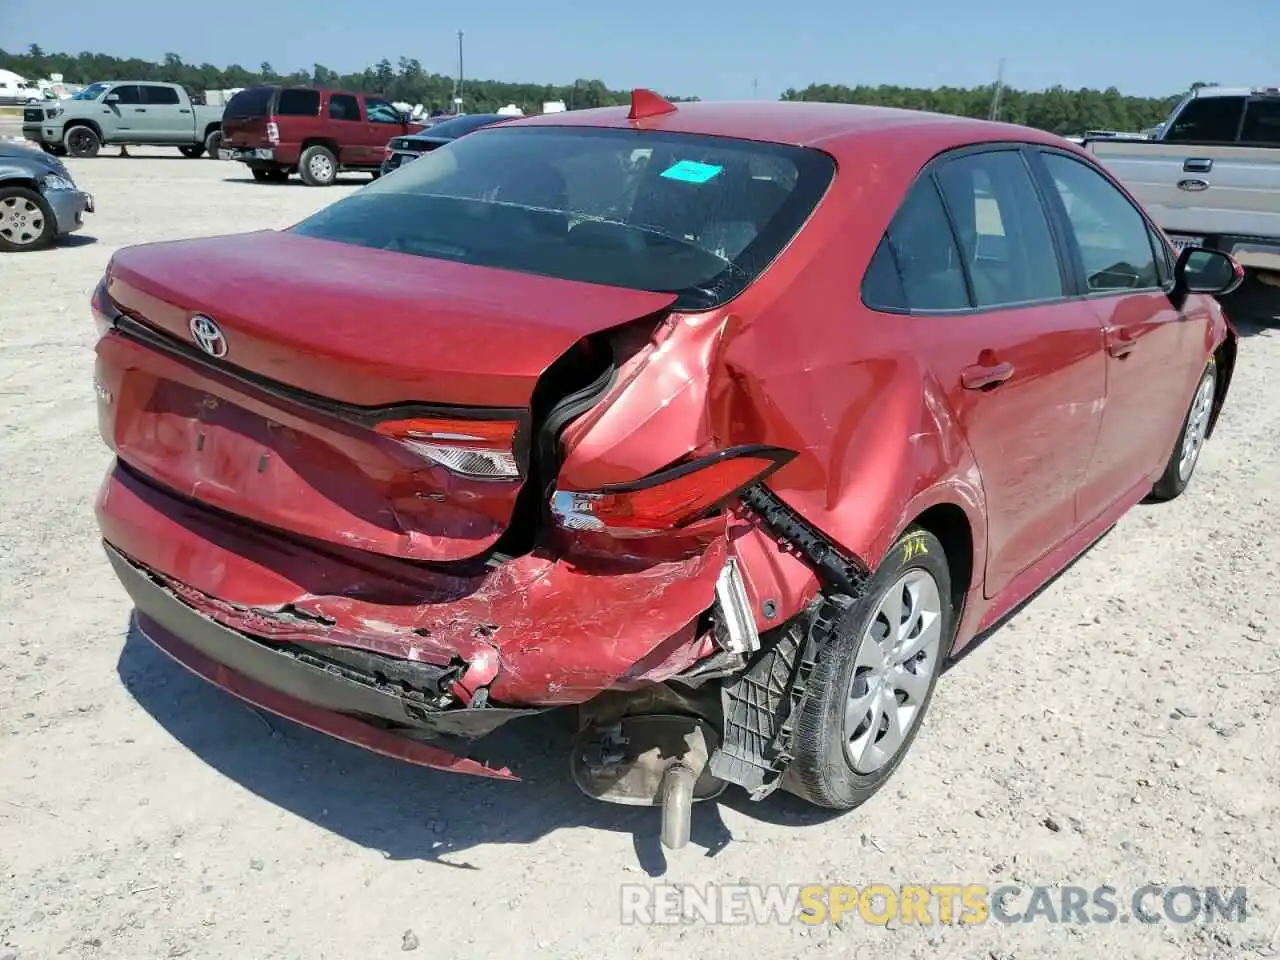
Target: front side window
{"x": 918, "y": 261}
{"x": 1262, "y": 122}
{"x": 127, "y": 94}
{"x": 1207, "y": 120}
{"x": 343, "y": 106}
{"x": 298, "y": 102}
{"x": 701, "y": 218}
{"x": 1113, "y": 237}
{"x": 1002, "y": 227}
{"x": 380, "y": 111}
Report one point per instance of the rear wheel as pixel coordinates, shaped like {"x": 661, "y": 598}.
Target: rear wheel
{"x": 1195, "y": 428}
{"x": 83, "y": 142}
{"x": 318, "y": 166}
{"x": 213, "y": 143}
{"x": 192, "y": 152}
{"x": 26, "y": 221}
{"x": 870, "y": 692}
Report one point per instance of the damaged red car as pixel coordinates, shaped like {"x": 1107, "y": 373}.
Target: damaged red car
{"x": 724, "y": 424}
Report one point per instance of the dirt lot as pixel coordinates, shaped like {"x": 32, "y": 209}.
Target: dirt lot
{"x": 1121, "y": 731}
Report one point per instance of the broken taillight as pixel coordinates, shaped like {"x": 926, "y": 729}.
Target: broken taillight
{"x": 476, "y": 449}
{"x": 671, "y": 498}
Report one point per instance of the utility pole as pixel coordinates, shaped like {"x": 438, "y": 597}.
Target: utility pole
{"x": 457, "y": 90}
{"x": 755, "y": 88}
{"x": 995, "y": 100}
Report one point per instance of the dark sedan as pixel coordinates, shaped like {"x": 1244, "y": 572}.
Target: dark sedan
{"x": 403, "y": 149}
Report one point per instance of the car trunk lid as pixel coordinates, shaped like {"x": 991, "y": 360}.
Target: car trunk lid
{"x": 374, "y": 400}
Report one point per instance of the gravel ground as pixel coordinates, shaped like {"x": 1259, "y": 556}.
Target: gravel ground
{"x": 1119, "y": 731}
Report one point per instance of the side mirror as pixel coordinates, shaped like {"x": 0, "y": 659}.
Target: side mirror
{"x": 111, "y": 98}
{"x": 1200, "y": 270}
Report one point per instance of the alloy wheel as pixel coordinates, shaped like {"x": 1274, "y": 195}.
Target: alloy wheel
{"x": 892, "y": 671}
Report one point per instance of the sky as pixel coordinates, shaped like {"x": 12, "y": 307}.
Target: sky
{"x": 715, "y": 49}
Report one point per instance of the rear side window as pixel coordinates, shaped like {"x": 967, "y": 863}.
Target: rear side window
{"x": 343, "y": 106}
{"x": 1113, "y": 237}
{"x": 298, "y": 103}
{"x": 160, "y": 96}
{"x": 1261, "y": 122}
{"x": 1003, "y": 231}
{"x": 697, "y": 216}
{"x": 253, "y": 102}
{"x": 917, "y": 265}
{"x": 1207, "y": 120}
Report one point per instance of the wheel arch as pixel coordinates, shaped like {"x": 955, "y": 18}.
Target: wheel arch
{"x": 950, "y": 523}
{"x": 210, "y": 128}
{"x": 329, "y": 144}
{"x": 1225, "y": 356}
{"x": 83, "y": 122}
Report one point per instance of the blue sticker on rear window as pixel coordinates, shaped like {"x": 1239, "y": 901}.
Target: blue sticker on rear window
{"x": 691, "y": 171}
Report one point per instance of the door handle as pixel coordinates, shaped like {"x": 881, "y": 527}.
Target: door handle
{"x": 139, "y": 109}
{"x": 1120, "y": 342}
{"x": 985, "y": 376}
{"x": 183, "y": 110}
{"x": 1197, "y": 165}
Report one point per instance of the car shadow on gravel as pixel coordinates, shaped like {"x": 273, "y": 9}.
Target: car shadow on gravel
{"x": 351, "y": 180}
{"x": 404, "y": 811}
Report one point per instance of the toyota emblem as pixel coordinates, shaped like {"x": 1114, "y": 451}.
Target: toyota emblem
{"x": 208, "y": 336}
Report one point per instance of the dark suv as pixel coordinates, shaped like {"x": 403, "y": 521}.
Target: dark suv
{"x": 403, "y": 149}
{"x": 279, "y": 130}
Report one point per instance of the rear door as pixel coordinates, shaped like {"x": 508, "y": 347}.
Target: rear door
{"x": 382, "y": 123}
{"x": 347, "y": 126}
{"x": 1152, "y": 358}
{"x": 166, "y": 119}
{"x": 981, "y": 268}
{"x": 244, "y": 120}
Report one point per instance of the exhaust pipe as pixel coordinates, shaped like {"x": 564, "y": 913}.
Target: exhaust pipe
{"x": 676, "y": 797}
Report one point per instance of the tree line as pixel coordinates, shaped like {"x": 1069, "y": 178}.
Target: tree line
{"x": 1057, "y": 109}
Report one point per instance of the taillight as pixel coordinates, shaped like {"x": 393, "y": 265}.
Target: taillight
{"x": 477, "y": 449}
{"x": 669, "y": 499}
{"x": 273, "y": 133}
{"x": 104, "y": 311}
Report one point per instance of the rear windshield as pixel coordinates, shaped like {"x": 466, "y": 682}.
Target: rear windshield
{"x": 697, "y": 216}
{"x": 253, "y": 102}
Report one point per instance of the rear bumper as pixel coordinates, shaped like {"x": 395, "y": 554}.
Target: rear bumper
{"x": 536, "y": 631}
{"x": 274, "y": 680}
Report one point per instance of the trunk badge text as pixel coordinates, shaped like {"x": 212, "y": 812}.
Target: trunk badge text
{"x": 208, "y": 336}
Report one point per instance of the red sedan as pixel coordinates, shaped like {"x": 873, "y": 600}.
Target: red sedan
{"x": 726, "y": 424}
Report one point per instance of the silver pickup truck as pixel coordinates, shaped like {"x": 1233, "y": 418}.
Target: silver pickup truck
{"x": 125, "y": 112}
{"x": 1210, "y": 174}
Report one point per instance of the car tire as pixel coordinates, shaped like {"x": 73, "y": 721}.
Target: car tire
{"x": 26, "y": 221}
{"x": 193, "y": 152}
{"x": 213, "y": 143}
{"x": 82, "y": 141}
{"x": 1187, "y": 448}
{"x": 318, "y": 166}
{"x": 846, "y": 746}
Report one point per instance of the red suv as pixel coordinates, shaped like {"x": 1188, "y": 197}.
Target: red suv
{"x": 315, "y": 133}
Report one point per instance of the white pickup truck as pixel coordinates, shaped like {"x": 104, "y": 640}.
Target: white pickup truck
{"x": 1210, "y": 176}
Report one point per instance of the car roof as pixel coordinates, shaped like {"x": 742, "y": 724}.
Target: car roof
{"x": 803, "y": 123}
